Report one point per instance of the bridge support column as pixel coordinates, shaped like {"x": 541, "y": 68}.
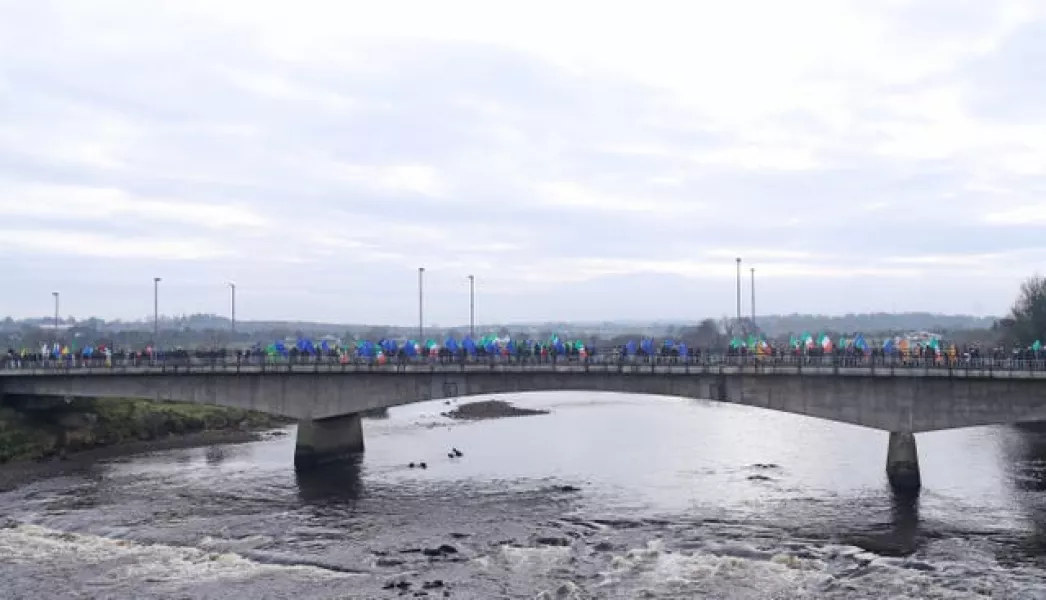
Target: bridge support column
{"x": 902, "y": 462}
{"x": 328, "y": 440}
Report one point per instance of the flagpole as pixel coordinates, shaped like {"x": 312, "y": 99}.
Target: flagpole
{"x": 55, "y": 294}
{"x": 421, "y": 301}
{"x": 472, "y": 306}
{"x": 156, "y": 313}
{"x": 232, "y": 323}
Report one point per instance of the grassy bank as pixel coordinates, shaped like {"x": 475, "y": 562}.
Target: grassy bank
{"x": 27, "y": 434}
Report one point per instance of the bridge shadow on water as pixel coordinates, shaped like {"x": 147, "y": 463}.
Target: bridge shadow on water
{"x": 904, "y": 510}
{"x": 1026, "y": 461}
{"x": 339, "y": 483}
{"x": 896, "y": 533}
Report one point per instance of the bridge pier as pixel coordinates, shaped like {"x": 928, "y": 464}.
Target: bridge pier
{"x": 328, "y": 440}
{"x": 902, "y": 462}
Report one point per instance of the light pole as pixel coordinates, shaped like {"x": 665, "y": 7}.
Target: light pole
{"x": 753, "y": 298}
{"x": 156, "y": 311}
{"x": 739, "y": 291}
{"x": 55, "y": 294}
{"x": 472, "y": 306}
{"x": 421, "y": 304}
{"x": 232, "y": 291}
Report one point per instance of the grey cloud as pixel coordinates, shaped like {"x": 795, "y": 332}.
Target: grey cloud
{"x": 448, "y": 106}
{"x": 955, "y": 19}
{"x": 1010, "y": 83}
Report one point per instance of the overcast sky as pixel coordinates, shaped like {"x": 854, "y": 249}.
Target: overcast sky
{"x": 585, "y": 159}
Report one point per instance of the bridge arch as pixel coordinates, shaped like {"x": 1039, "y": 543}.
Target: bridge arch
{"x": 889, "y": 403}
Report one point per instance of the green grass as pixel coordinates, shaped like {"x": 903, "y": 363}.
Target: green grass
{"x": 89, "y": 423}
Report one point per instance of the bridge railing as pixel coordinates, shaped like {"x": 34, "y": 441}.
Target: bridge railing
{"x": 609, "y": 363}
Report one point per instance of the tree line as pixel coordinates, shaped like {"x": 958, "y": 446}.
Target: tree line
{"x": 1025, "y": 324}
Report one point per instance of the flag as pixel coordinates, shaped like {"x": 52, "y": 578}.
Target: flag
{"x": 860, "y": 343}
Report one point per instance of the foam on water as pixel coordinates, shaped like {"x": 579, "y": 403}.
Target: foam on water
{"x": 829, "y": 571}
{"x": 948, "y": 569}
{"x": 122, "y": 564}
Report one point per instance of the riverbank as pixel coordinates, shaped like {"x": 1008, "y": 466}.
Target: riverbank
{"x": 18, "y": 473}
{"x": 29, "y": 433}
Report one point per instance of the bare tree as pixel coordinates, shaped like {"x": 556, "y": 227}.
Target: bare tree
{"x": 1027, "y": 321}
{"x": 707, "y": 334}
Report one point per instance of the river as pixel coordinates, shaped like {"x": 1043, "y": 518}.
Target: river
{"x": 608, "y": 496}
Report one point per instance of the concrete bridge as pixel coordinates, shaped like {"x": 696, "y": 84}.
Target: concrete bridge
{"x": 328, "y": 398}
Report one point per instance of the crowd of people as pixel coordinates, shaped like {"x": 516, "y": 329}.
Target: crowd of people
{"x": 493, "y": 349}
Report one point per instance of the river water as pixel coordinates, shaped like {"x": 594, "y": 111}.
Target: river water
{"x": 608, "y": 496}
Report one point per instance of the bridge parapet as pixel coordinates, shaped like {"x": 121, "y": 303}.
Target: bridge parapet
{"x": 729, "y": 366}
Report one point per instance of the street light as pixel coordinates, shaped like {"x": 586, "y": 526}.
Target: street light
{"x": 753, "y": 298}
{"x": 472, "y": 306}
{"x": 156, "y": 311}
{"x": 739, "y": 291}
{"x": 421, "y": 303}
{"x": 232, "y": 289}
{"x": 55, "y": 294}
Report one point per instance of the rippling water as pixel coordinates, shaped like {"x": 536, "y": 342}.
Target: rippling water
{"x": 609, "y": 496}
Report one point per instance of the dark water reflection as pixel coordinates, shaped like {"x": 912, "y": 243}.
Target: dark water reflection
{"x": 607, "y": 496}
{"x": 340, "y": 483}
{"x": 1025, "y": 457}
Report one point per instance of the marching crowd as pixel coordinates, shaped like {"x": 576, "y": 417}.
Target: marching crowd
{"x": 646, "y": 351}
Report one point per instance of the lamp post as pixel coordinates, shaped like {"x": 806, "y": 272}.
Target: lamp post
{"x": 55, "y": 294}
{"x": 753, "y": 298}
{"x": 421, "y": 305}
{"x": 739, "y": 291}
{"x": 156, "y": 311}
{"x": 232, "y": 291}
{"x": 472, "y": 306}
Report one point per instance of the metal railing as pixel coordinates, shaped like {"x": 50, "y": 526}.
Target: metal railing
{"x": 844, "y": 364}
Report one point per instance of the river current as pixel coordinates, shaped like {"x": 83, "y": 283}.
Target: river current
{"x": 608, "y": 496}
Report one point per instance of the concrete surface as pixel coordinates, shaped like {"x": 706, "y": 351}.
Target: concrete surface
{"x": 905, "y": 402}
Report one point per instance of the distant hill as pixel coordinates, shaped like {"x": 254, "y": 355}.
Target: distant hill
{"x": 871, "y": 323}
